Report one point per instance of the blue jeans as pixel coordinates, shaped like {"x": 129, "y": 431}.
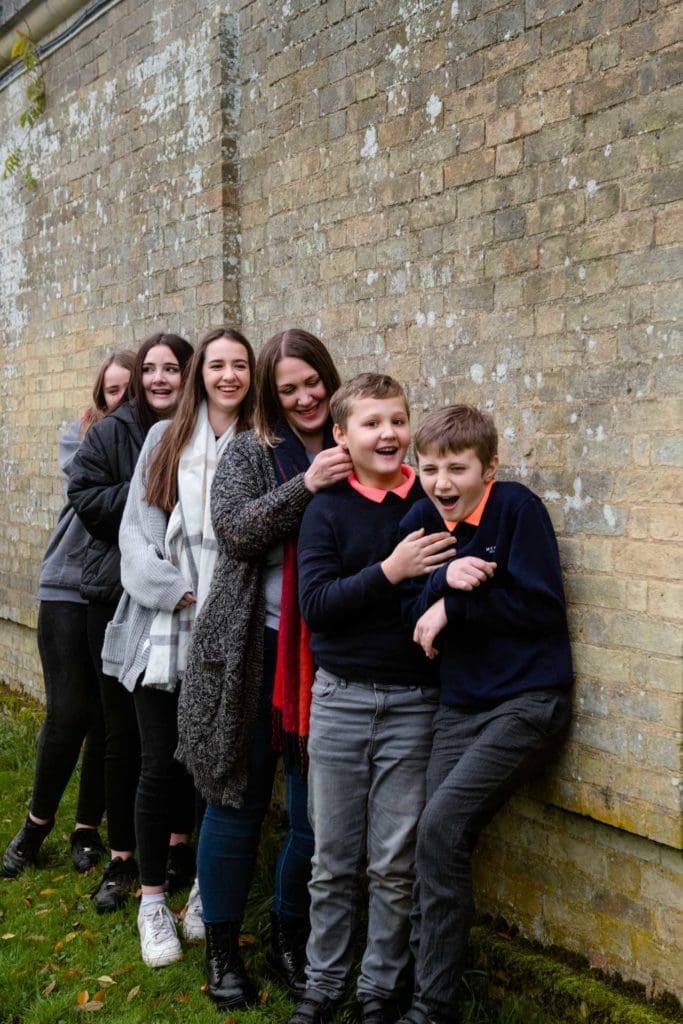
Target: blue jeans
{"x": 478, "y": 760}
{"x": 229, "y": 836}
{"x": 369, "y": 747}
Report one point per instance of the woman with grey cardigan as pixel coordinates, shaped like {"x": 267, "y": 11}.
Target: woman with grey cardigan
{"x": 168, "y": 552}
{"x": 249, "y": 669}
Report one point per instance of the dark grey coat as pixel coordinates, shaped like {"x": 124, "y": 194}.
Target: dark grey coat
{"x": 219, "y": 696}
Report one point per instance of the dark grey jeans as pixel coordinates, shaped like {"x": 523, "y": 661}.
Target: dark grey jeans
{"x": 478, "y": 760}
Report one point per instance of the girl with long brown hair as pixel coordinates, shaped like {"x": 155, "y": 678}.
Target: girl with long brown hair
{"x": 168, "y": 551}
{"x": 98, "y": 488}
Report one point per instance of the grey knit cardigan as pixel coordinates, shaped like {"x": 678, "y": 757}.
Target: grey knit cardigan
{"x": 219, "y": 696}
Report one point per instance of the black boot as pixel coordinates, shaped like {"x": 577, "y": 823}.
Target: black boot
{"x": 286, "y": 953}
{"x": 314, "y": 1008}
{"x": 228, "y": 984}
{"x": 87, "y": 849}
{"x": 23, "y": 849}
{"x": 119, "y": 880}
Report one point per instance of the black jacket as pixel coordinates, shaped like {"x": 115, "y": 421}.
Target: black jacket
{"x": 100, "y": 477}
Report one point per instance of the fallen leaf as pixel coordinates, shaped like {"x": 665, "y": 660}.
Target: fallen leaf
{"x": 61, "y": 943}
{"x": 247, "y": 940}
{"x": 83, "y": 997}
{"x": 8, "y": 935}
{"x": 49, "y": 988}
{"x": 264, "y": 996}
{"x": 45, "y": 910}
{"x": 99, "y": 996}
{"x": 132, "y": 994}
{"x": 106, "y": 980}
{"x": 63, "y": 907}
{"x": 182, "y": 997}
{"x": 93, "y": 1004}
{"x": 36, "y": 938}
{"x": 47, "y": 892}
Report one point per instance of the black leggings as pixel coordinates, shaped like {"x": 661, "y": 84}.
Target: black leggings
{"x": 74, "y": 714}
{"x": 165, "y": 800}
{"x": 122, "y": 756}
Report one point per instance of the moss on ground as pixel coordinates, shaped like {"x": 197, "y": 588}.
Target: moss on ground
{"x": 563, "y": 984}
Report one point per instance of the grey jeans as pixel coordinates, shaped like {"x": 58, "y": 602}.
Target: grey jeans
{"x": 478, "y": 760}
{"x": 368, "y": 747}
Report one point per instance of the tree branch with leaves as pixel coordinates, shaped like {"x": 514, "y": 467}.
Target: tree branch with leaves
{"x": 24, "y": 49}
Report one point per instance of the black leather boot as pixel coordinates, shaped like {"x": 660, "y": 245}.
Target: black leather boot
{"x": 228, "y": 983}
{"x": 286, "y": 953}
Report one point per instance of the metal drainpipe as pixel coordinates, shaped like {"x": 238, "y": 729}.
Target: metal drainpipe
{"x": 39, "y": 20}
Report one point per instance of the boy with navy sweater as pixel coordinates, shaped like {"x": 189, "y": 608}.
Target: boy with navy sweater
{"x": 373, "y": 701}
{"x": 496, "y": 613}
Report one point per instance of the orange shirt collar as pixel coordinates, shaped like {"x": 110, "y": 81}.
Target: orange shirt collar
{"x": 474, "y": 518}
{"x": 377, "y": 494}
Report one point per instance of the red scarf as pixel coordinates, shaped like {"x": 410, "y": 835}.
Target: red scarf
{"x": 294, "y": 672}
{"x": 294, "y": 667}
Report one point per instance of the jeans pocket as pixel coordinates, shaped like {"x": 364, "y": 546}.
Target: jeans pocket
{"x": 550, "y": 710}
{"x": 430, "y": 694}
{"x": 324, "y": 684}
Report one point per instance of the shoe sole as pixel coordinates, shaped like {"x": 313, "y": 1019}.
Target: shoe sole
{"x": 193, "y": 934}
{"x": 162, "y": 961}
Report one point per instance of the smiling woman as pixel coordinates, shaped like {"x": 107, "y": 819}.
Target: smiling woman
{"x": 98, "y": 488}
{"x": 168, "y": 551}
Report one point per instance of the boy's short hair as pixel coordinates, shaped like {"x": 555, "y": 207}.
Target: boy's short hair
{"x": 363, "y": 385}
{"x": 456, "y": 428}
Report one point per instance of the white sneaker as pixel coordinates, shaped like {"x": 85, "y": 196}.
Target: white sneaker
{"x": 158, "y": 937}
{"x": 193, "y": 924}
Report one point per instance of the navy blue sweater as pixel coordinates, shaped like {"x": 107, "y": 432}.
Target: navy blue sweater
{"x": 352, "y": 609}
{"x": 509, "y": 634}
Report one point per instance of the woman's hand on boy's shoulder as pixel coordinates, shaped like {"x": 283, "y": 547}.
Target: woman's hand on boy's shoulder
{"x": 330, "y": 466}
{"x": 418, "y": 555}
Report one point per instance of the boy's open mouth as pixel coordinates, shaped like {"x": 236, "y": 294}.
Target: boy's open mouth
{"x": 448, "y": 502}
{"x": 388, "y": 451}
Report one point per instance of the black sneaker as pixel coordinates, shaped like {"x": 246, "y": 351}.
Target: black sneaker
{"x": 87, "y": 849}
{"x": 119, "y": 880}
{"x": 23, "y": 849}
{"x": 379, "y": 1011}
{"x": 313, "y": 1008}
{"x": 180, "y": 867}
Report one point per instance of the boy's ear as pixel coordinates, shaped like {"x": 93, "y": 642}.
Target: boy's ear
{"x": 490, "y": 470}
{"x": 339, "y": 435}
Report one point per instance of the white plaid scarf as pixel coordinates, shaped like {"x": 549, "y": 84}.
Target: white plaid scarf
{"x": 191, "y": 546}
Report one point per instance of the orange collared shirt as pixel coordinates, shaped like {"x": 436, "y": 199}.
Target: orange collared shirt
{"x": 474, "y": 518}
{"x": 377, "y": 493}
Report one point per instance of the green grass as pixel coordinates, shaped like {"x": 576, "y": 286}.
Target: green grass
{"x": 54, "y": 947}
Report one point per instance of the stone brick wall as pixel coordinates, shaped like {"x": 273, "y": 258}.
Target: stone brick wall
{"x": 482, "y": 197}
{"x": 132, "y": 229}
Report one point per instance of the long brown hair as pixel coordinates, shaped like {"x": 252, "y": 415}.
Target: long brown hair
{"x": 97, "y": 410}
{"x": 298, "y": 344}
{"x": 162, "y": 477}
{"x": 180, "y": 348}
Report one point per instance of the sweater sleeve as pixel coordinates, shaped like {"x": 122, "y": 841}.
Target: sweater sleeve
{"x": 150, "y": 579}
{"x": 250, "y": 513}
{"x": 69, "y": 443}
{"x": 95, "y": 491}
{"x": 529, "y": 595}
{"x": 328, "y": 598}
